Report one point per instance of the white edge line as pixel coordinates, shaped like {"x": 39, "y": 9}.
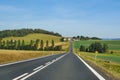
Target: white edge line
{"x": 20, "y": 76}
{"x": 41, "y": 68}
{"x": 2, "y": 65}
{"x": 93, "y": 70}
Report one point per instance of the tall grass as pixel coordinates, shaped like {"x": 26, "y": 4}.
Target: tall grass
{"x": 7, "y": 56}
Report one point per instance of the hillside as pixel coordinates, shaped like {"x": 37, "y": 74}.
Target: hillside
{"x": 34, "y": 36}
{"x": 24, "y": 32}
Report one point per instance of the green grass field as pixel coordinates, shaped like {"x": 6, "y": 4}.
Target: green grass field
{"x": 112, "y": 44}
{"x": 106, "y": 61}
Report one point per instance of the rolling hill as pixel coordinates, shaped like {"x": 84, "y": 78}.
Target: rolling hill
{"x": 34, "y": 36}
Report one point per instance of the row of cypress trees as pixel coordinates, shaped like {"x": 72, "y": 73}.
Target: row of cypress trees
{"x": 32, "y": 45}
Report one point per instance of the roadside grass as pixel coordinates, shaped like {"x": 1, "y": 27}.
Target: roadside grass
{"x": 7, "y": 56}
{"x": 108, "y": 65}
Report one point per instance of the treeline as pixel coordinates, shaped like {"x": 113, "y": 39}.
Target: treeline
{"x": 33, "y": 45}
{"x": 101, "y": 48}
{"x": 24, "y": 32}
{"x": 85, "y": 38}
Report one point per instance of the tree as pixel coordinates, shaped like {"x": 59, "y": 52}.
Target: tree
{"x": 53, "y": 43}
{"x": 58, "y": 48}
{"x": 3, "y": 45}
{"x": 105, "y": 47}
{"x": 23, "y": 44}
{"x": 23, "y": 32}
{"x": 47, "y": 45}
{"x": 18, "y": 45}
{"x": 11, "y": 44}
{"x": 62, "y": 39}
{"x": 82, "y": 48}
{"x": 98, "y": 47}
{"x": 0, "y": 42}
{"x": 36, "y": 44}
{"x": 41, "y": 45}
{"x": 14, "y": 44}
{"x": 31, "y": 44}
{"x": 7, "y": 44}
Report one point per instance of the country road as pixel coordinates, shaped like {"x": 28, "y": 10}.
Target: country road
{"x": 56, "y": 67}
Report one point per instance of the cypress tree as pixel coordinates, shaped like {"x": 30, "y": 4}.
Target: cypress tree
{"x": 0, "y": 42}
{"x": 3, "y": 44}
{"x": 31, "y": 44}
{"x": 11, "y": 44}
{"x": 47, "y": 45}
{"x": 23, "y": 44}
{"x": 53, "y": 44}
{"x": 18, "y": 45}
{"x": 15, "y": 44}
{"x": 41, "y": 45}
{"x": 7, "y": 44}
{"x": 36, "y": 44}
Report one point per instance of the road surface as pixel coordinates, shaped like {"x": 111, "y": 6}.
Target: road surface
{"x": 57, "y": 67}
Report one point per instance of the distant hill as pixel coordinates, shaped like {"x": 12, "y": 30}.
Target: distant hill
{"x": 24, "y": 32}
{"x": 85, "y": 38}
{"x": 111, "y": 38}
{"x": 33, "y": 37}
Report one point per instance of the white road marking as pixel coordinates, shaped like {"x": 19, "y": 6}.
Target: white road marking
{"x": 38, "y": 68}
{"x": 48, "y": 63}
{"x": 93, "y": 71}
{"x": 42, "y": 68}
{"x": 17, "y": 78}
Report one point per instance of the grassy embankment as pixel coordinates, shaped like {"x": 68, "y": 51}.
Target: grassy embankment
{"x": 110, "y": 63}
{"x": 7, "y": 56}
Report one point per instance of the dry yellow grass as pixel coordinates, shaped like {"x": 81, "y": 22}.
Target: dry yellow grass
{"x": 7, "y": 56}
{"x": 65, "y": 45}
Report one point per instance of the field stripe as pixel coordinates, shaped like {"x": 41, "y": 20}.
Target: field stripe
{"x": 93, "y": 71}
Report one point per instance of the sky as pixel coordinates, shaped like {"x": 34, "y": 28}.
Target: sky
{"x": 100, "y": 18}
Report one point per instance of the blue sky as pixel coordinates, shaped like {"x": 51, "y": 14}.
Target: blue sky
{"x": 99, "y": 18}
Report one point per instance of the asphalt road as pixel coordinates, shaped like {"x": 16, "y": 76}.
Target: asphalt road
{"x": 57, "y": 67}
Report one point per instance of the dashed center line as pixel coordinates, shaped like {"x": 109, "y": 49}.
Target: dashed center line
{"x": 38, "y": 68}
{"x": 26, "y": 75}
{"x": 17, "y": 78}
